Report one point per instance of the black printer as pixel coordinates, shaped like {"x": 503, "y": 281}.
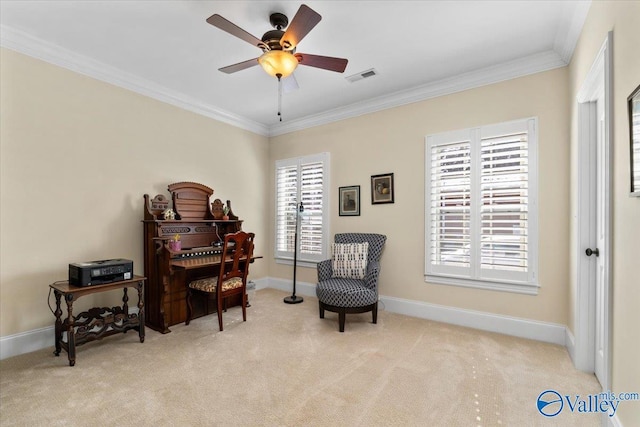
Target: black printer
{"x": 100, "y": 272}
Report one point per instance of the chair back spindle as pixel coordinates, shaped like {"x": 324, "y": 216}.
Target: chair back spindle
{"x": 237, "y": 251}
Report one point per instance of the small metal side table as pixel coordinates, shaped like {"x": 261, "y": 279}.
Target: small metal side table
{"x": 97, "y": 322}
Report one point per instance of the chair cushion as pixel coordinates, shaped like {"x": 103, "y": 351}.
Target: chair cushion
{"x": 209, "y": 284}
{"x": 342, "y": 292}
{"x": 350, "y": 260}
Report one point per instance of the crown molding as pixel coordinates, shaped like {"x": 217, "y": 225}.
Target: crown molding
{"x": 27, "y": 44}
{"x": 35, "y": 47}
{"x": 574, "y": 17}
{"x": 497, "y": 73}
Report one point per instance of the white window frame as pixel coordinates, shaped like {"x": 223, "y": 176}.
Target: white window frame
{"x": 304, "y": 259}
{"x": 520, "y": 282}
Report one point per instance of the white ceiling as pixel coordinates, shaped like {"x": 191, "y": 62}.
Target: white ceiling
{"x": 421, "y": 49}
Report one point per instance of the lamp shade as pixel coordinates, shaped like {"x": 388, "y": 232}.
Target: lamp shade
{"x": 276, "y": 62}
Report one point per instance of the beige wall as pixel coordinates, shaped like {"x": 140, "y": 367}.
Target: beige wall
{"x": 623, "y": 18}
{"x": 77, "y": 155}
{"x": 393, "y": 141}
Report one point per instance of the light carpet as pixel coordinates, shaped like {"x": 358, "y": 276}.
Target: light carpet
{"x": 287, "y": 367}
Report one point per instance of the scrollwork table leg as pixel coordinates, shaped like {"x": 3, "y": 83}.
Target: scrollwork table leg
{"x": 58, "y": 327}
{"x": 125, "y": 306}
{"x": 141, "y": 310}
{"x": 71, "y": 338}
{"x": 125, "y": 301}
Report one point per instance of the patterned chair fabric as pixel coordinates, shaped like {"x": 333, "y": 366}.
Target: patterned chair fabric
{"x": 210, "y": 284}
{"x": 231, "y": 278}
{"x": 347, "y": 295}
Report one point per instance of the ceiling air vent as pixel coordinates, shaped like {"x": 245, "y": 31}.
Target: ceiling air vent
{"x": 362, "y": 75}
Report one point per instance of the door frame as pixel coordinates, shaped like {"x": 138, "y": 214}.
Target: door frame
{"x": 585, "y": 226}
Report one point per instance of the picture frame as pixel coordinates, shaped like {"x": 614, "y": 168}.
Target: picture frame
{"x": 349, "y": 200}
{"x": 382, "y": 189}
{"x": 634, "y": 142}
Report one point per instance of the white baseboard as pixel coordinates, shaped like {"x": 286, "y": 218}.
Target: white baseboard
{"x": 570, "y": 343}
{"x": 38, "y": 339}
{"x": 26, "y": 342}
{"x": 34, "y": 340}
{"x": 608, "y": 421}
{"x": 261, "y": 283}
{"x": 524, "y": 328}
{"x": 614, "y": 421}
{"x": 302, "y": 288}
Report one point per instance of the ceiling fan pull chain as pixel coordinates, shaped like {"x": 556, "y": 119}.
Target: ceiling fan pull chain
{"x": 279, "y": 96}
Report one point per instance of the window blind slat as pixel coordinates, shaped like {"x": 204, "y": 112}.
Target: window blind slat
{"x": 300, "y": 182}
{"x": 504, "y": 201}
{"x": 481, "y": 206}
{"x": 450, "y": 204}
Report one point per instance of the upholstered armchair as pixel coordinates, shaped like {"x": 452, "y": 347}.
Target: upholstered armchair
{"x": 348, "y": 283}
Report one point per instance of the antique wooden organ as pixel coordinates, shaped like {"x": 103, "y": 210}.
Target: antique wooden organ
{"x": 200, "y": 227}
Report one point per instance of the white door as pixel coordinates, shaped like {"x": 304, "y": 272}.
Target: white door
{"x": 591, "y": 348}
{"x": 600, "y": 297}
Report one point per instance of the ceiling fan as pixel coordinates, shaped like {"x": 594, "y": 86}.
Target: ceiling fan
{"x": 279, "y": 58}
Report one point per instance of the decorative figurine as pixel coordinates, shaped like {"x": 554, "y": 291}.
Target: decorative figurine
{"x": 169, "y": 214}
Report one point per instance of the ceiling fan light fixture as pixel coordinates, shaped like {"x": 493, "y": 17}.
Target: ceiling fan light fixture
{"x": 278, "y": 62}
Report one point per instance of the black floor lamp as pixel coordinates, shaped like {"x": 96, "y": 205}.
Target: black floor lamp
{"x": 293, "y": 299}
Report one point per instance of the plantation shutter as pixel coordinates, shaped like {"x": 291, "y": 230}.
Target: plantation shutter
{"x": 303, "y": 180}
{"x": 481, "y": 207}
{"x": 449, "y": 206}
{"x": 504, "y": 194}
{"x": 312, "y": 198}
{"x": 286, "y": 197}
{"x": 504, "y": 201}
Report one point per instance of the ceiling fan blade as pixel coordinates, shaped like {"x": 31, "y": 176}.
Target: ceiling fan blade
{"x": 231, "y": 28}
{"x": 289, "y": 84}
{"x": 304, "y": 21}
{"x": 325, "y": 62}
{"x": 239, "y": 66}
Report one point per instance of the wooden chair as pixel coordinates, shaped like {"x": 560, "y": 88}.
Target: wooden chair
{"x": 237, "y": 251}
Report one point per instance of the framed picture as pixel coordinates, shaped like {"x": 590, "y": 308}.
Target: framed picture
{"x": 382, "y": 188}
{"x": 349, "y": 200}
{"x": 634, "y": 140}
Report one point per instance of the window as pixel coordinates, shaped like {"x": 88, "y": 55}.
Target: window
{"x": 481, "y": 207}
{"x": 306, "y": 180}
